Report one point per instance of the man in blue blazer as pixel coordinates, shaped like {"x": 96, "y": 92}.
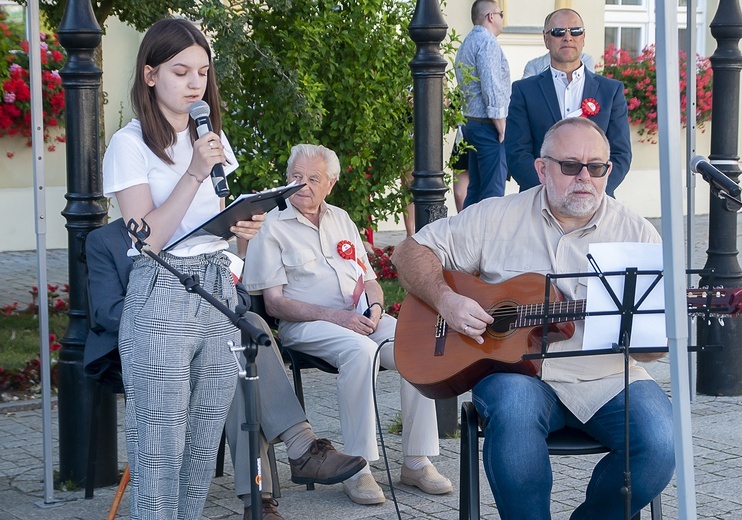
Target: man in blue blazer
{"x": 564, "y": 90}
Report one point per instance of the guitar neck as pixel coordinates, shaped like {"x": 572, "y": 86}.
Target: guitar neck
{"x": 709, "y": 302}
{"x": 533, "y": 315}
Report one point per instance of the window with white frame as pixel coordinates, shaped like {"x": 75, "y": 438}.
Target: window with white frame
{"x": 631, "y": 24}
{"x": 627, "y": 38}
{"x": 15, "y": 13}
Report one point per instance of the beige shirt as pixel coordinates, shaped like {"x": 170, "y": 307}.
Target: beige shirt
{"x": 291, "y": 251}
{"x": 503, "y": 237}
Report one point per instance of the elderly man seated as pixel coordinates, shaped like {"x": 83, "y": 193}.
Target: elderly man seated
{"x": 310, "y": 263}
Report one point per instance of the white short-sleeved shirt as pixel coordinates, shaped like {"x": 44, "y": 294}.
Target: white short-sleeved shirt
{"x": 128, "y": 162}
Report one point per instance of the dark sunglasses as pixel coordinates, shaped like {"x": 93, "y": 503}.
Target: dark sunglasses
{"x": 572, "y": 168}
{"x": 558, "y": 32}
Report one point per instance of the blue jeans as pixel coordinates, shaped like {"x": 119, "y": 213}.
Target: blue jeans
{"x": 519, "y": 412}
{"x": 487, "y": 167}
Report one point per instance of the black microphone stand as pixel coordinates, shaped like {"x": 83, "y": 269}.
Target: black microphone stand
{"x": 251, "y": 339}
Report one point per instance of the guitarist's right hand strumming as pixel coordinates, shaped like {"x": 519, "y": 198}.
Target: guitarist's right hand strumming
{"x": 425, "y": 280}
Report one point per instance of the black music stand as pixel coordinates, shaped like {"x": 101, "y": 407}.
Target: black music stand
{"x": 626, "y": 307}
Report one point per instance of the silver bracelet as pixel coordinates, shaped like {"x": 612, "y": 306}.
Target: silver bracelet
{"x": 200, "y": 181}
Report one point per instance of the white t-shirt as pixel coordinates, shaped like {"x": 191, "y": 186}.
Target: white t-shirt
{"x": 128, "y": 162}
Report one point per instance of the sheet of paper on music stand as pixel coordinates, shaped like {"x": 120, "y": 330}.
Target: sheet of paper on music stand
{"x": 648, "y": 329}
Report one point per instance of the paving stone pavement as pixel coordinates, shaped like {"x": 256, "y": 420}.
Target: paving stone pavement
{"x": 716, "y": 429}
{"x": 717, "y": 446}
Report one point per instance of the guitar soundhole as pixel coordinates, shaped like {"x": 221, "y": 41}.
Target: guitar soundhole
{"x": 504, "y": 319}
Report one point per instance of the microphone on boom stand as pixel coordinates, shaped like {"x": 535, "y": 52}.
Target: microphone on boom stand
{"x": 721, "y": 185}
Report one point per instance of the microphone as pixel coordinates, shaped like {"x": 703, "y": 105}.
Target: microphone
{"x": 714, "y": 177}
{"x": 200, "y": 114}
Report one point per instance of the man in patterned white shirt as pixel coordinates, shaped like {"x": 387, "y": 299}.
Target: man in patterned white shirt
{"x": 484, "y": 75}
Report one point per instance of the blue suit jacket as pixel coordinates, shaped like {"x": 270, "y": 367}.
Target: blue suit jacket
{"x": 534, "y": 108}
{"x": 108, "y": 277}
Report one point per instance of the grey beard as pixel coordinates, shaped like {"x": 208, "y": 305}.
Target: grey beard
{"x": 576, "y": 207}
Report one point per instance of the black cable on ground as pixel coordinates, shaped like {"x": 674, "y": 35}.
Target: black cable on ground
{"x": 381, "y": 435}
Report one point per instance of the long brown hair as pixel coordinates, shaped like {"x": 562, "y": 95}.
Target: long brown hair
{"x": 162, "y": 42}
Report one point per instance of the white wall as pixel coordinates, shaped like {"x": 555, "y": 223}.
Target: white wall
{"x": 640, "y": 190}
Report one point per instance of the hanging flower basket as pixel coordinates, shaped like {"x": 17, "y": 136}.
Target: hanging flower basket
{"x": 639, "y": 76}
{"x": 15, "y": 105}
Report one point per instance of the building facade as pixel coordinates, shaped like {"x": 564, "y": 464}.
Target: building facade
{"x": 629, "y": 24}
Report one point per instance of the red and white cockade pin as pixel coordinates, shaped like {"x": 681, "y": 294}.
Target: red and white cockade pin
{"x": 590, "y": 107}
{"x": 347, "y": 250}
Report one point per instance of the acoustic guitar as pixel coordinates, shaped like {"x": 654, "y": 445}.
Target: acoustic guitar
{"x": 442, "y": 363}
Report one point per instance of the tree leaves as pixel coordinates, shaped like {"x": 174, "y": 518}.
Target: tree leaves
{"x": 326, "y": 72}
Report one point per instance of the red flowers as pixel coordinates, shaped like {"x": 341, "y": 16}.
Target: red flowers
{"x": 394, "y": 308}
{"x": 382, "y": 263}
{"x": 639, "y": 76}
{"x": 15, "y": 105}
{"x": 57, "y": 299}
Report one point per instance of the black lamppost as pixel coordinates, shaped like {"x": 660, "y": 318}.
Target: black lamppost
{"x": 720, "y": 371}
{"x": 428, "y": 29}
{"x": 80, "y": 34}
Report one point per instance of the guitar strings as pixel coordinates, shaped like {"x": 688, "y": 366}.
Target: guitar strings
{"x": 536, "y": 309}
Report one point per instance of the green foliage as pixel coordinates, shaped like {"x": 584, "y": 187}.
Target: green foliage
{"x": 20, "y": 367}
{"x": 393, "y": 291}
{"x": 328, "y": 72}
{"x": 136, "y": 13}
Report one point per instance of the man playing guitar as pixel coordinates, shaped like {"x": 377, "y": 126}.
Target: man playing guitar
{"x": 548, "y": 229}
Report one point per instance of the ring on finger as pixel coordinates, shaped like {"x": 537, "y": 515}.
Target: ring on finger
{"x": 211, "y": 144}
{"x": 466, "y": 328}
